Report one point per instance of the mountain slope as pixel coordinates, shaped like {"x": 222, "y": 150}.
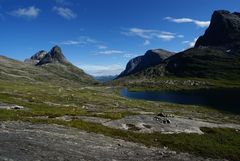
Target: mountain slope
{"x": 216, "y": 54}
{"x": 149, "y": 59}
{"x": 224, "y": 30}
{"x": 57, "y": 72}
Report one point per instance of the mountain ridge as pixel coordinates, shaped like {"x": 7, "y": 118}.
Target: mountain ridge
{"x": 42, "y": 67}
{"x": 210, "y": 58}
{"x": 149, "y": 59}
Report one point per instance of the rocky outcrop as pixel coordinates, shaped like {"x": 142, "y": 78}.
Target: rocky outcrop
{"x": 151, "y": 58}
{"x": 36, "y": 57}
{"x": 54, "y": 56}
{"x": 224, "y": 30}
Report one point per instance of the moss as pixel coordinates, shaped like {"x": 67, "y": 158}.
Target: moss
{"x": 53, "y": 101}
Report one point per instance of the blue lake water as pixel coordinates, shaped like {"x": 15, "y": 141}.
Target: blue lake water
{"x": 221, "y": 99}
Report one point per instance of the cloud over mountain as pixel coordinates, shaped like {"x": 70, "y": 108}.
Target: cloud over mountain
{"x": 188, "y": 20}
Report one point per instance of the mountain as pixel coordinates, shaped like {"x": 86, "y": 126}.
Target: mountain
{"x": 51, "y": 67}
{"x": 36, "y": 57}
{"x": 224, "y": 30}
{"x": 55, "y": 55}
{"x": 106, "y": 78}
{"x": 149, "y": 59}
{"x": 216, "y": 54}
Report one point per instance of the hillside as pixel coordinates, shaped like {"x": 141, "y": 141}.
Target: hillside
{"x": 216, "y": 55}
{"x": 149, "y": 59}
{"x": 31, "y": 71}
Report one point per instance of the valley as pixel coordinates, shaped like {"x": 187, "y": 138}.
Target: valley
{"x": 51, "y": 109}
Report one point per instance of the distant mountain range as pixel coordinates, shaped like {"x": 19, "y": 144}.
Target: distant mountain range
{"x": 44, "y": 67}
{"x": 106, "y": 78}
{"x": 216, "y": 54}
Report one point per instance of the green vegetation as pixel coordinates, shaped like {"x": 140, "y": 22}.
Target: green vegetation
{"x": 196, "y": 68}
{"x": 215, "y": 143}
{"x": 54, "y": 73}
{"x": 45, "y": 102}
{"x": 134, "y": 83}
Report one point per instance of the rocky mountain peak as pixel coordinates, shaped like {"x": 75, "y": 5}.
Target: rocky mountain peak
{"x": 39, "y": 55}
{"x": 36, "y": 57}
{"x": 54, "y": 56}
{"x": 224, "y": 30}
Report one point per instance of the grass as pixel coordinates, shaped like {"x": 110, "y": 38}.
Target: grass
{"x": 215, "y": 143}
{"x": 54, "y": 101}
{"x": 133, "y": 83}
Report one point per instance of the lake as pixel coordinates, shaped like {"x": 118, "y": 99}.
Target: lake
{"x": 221, "y": 99}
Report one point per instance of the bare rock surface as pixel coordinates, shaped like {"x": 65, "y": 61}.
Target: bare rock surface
{"x": 150, "y": 123}
{"x": 25, "y": 141}
{"x": 10, "y": 107}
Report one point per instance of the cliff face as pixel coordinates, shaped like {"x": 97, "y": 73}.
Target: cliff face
{"x": 216, "y": 54}
{"x": 224, "y": 30}
{"x": 55, "y": 55}
{"x": 149, "y": 59}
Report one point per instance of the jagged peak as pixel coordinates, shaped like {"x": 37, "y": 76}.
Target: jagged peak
{"x": 42, "y": 57}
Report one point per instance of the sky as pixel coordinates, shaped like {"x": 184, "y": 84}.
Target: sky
{"x": 101, "y": 36}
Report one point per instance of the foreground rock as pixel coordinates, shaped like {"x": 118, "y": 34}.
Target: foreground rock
{"x": 25, "y": 141}
{"x": 167, "y": 125}
{"x": 163, "y": 123}
{"x": 11, "y": 107}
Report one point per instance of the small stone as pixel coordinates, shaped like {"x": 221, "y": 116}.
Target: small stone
{"x": 161, "y": 115}
{"x": 16, "y": 107}
{"x": 168, "y": 121}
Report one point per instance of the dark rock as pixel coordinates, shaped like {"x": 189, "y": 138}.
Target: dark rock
{"x": 36, "y": 57}
{"x": 39, "y": 55}
{"x": 161, "y": 115}
{"x": 162, "y": 119}
{"x": 224, "y": 30}
{"x": 168, "y": 121}
{"x": 150, "y": 59}
{"x": 16, "y": 107}
{"x": 54, "y": 56}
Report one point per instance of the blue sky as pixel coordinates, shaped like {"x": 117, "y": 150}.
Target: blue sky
{"x": 100, "y": 36}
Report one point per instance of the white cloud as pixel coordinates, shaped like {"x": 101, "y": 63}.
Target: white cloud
{"x": 149, "y": 34}
{"x": 82, "y": 40}
{"x": 101, "y": 70}
{"x": 146, "y": 42}
{"x": 102, "y": 47}
{"x": 190, "y": 43}
{"x": 30, "y": 12}
{"x": 110, "y": 52}
{"x": 71, "y": 42}
{"x": 180, "y": 36}
{"x": 130, "y": 55}
{"x": 202, "y": 23}
{"x": 188, "y": 20}
{"x": 65, "y": 12}
{"x": 185, "y": 42}
{"x": 166, "y": 37}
